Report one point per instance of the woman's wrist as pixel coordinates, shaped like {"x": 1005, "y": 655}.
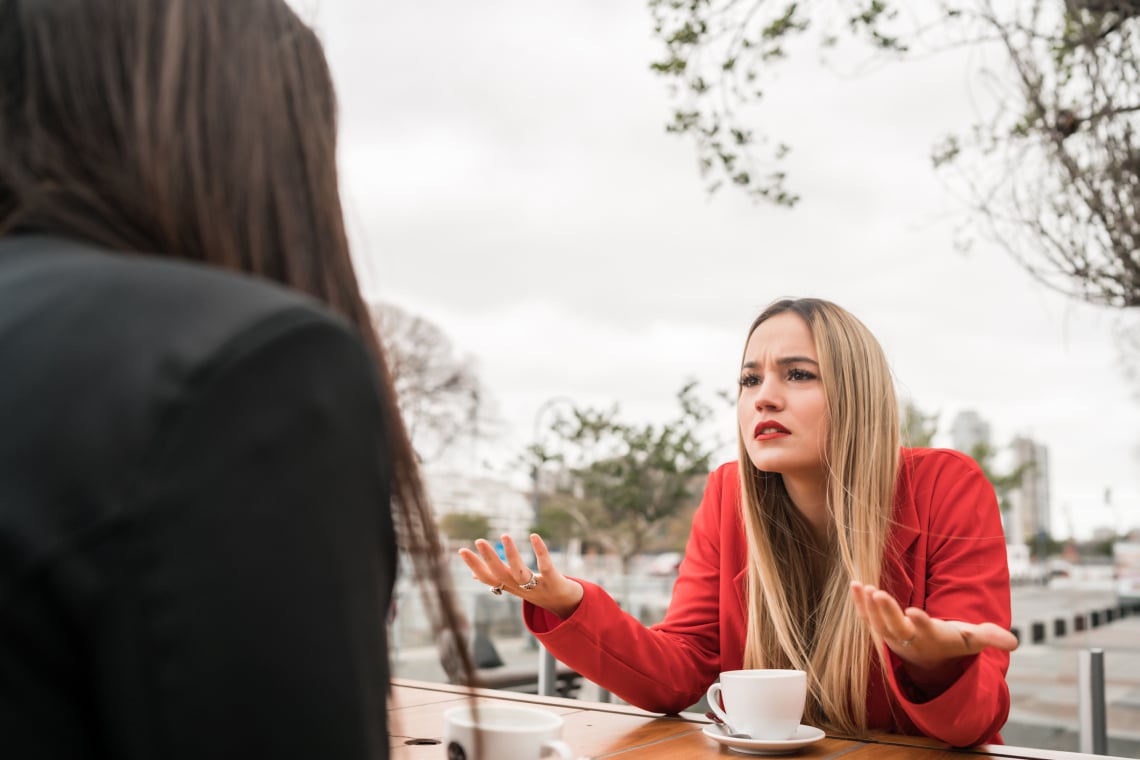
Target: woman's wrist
{"x": 932, "y": 680}
{"x": 568, "y": 602}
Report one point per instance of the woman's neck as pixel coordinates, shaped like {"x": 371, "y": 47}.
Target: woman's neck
{"x": 809, "y": 494}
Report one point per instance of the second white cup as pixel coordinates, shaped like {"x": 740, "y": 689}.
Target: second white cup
{"x": 505, "y": 733}
{"x": 766, "y": 704}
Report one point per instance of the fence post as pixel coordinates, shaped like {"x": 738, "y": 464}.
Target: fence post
{"x": 1093, "y": 736}
{"x": 547, "y": 673}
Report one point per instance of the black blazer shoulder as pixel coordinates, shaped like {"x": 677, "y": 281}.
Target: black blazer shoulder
{"x": 97, "y": 349}
{"x": 196, "y": 545}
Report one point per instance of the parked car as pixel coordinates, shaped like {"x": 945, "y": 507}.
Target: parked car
{"x": 1021, "y": 568}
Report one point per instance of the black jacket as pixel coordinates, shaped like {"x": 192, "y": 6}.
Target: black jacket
{"x": 196, "y": 545}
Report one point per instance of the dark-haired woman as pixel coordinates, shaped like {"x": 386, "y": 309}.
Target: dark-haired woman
{"x": 200, "y": 452}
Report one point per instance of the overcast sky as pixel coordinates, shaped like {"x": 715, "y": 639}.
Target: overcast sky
{"x": 507, "y": 176}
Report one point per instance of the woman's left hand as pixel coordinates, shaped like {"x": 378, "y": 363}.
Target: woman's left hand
{"x": 929, "y": 646}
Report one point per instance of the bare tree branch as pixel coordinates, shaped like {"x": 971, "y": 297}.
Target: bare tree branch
{"x": 438, "y": 392}
{"x": 1051, "y": 167}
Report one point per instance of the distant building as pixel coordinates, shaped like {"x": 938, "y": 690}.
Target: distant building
{"x": 507, "y": 509}
{"x": 968, "y": 430}
{"x": 1031, "y": 511}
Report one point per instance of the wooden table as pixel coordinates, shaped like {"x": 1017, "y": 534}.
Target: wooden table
{"x": 598, "y": 730}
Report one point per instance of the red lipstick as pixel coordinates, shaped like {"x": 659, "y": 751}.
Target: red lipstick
{"x": 766, "y": 430}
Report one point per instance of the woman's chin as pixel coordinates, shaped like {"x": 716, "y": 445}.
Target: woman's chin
{"x": 765, "y": 462}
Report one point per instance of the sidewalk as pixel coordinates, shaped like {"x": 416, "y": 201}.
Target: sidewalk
{"x": 1045, "y": 696}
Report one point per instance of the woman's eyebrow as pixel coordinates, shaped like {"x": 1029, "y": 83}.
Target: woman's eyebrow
{"x": 783, "y": 362}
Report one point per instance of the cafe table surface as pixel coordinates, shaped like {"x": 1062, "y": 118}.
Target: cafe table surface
{"x": 601, "y": 730}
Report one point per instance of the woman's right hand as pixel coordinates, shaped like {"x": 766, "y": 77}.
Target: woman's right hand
{"x": 554, "y": 592}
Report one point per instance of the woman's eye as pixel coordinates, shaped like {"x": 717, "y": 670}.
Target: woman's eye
{"x": 800, "y": 374}
{"x": 748, "y": 381}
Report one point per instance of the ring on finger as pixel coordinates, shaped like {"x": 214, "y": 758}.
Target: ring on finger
{"x": 906, "y": 642}
{"x": 497, "y": 590}
{"x": 532, "y": 583}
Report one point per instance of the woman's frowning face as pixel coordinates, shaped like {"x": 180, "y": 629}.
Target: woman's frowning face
{"x": 782, "y": 407}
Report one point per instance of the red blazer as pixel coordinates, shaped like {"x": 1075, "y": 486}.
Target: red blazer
{"x": 945, "y": 554}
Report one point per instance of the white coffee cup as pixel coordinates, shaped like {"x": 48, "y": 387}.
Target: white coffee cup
{"x": 766, "y": 704}
{"x": 506, "y": 733}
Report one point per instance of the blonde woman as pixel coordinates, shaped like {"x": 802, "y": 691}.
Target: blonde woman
{"x": 879, "y": 571}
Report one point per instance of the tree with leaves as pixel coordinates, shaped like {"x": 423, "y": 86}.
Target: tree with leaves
{"x": 917, "y": 428}
{"x": 633, "y": 476}
{"x": 1004, "y": 483}
{"x": 1051, "y": 166}
{"x": 464, "y": 527}
{"x": 564, "y": 517}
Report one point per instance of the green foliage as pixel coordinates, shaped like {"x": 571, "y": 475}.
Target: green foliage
{"x": 917, "y": 429}
{"x": 1003, "y": 483}
{"x": 1049, "y": 168}
{"x": 716, "y": 52}
{"x": 461, "y": 526}
{"x": 946, "y": 151}
{"x": 563, "y": 516}
{"x": 871, "y": 20}
{"x": 557, "y": 525}
{"x": 626, "y": 478}
{"x": 1101, "y": 548}
{"x": 1051, "y": 547}
{"x": 711, "y": 63}
{"x": 784, "y": 24}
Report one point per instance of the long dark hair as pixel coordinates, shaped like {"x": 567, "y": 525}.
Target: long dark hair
{"x": 201, "y": 130}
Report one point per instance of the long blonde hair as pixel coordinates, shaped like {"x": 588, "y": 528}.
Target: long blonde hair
{"x": 799, "y": 609}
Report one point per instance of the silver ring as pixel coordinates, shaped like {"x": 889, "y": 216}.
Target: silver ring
{"x": 497, "y": 590}
{"x": 906, "y": 642}
{"x": 532, "y": 583}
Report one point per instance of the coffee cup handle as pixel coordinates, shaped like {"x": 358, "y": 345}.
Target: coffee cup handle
{"x": 713, "y": 696}
{"x": 557, "y": 747}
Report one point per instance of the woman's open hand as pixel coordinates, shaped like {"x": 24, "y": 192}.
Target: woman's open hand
{"x": 552, "y": 591}
{"x": 930, "y": 647}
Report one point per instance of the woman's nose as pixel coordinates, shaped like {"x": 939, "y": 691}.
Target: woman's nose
{"x": 768, "y": 396}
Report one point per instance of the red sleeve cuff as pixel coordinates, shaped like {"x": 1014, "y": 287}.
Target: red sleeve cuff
{"x": 942, "y": 715}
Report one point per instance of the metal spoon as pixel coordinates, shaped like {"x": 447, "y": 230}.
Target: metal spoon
{"x": 725, "y": 728}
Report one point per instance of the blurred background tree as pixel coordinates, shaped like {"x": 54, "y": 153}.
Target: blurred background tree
{"x": 917, "y": 427}
{"x": 463, "y": 527}
{"x": 439, "y": 394}
{"x": 622, "y": 483}
{"x": 564, "y": 517}
{"x": 1004, "y": 483}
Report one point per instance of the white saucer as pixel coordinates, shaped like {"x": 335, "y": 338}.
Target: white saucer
{"x": 803, "y": 736}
